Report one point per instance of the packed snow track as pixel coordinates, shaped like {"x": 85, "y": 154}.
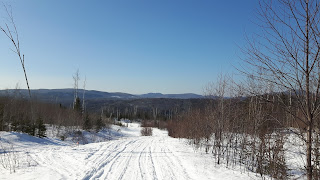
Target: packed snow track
{"x": 134, "y": 158}
{"x": 128, "y": 156}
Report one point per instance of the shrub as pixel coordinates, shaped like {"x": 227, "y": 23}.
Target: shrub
{"x": 41, "y": 128}
{"x": 146, "y": 131}
{"x": 99, "y": 124}
{"x": 87, "y": 125}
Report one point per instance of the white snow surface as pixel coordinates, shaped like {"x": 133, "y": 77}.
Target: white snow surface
{"x": 126, "y": 156}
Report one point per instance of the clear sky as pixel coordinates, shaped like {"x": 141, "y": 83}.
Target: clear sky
{"x": 133, "y": 46}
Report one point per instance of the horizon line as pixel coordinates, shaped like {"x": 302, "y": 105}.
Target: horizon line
{"x": 103, "y": 91}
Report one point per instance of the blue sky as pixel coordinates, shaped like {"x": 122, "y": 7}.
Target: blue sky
{"x": 133, "y": 46}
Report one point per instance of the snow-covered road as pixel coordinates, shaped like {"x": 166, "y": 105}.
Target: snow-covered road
{"x": 131, "y": 157}
{"x": 135, "y": 158}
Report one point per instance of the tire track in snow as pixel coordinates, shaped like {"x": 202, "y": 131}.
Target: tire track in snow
{"x": 152, "y": 163}
{"x": 144, "y": 157}
{"x": 165, "y": 165}
{"x": 109, "y": 158}
{"x": 114, "y": 162}
{"x": 130, "y": 158}
{"x": 127, "y": 162}
{"x": 59, "y": 160}
{"x": 169, "y": 164}
{"x": 99, "y": 150}
{"x": 139, "y": 161}
{"x": 176, "y": 162}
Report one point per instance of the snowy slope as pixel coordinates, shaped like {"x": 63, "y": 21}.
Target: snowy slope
{"x": 130, "y": 156}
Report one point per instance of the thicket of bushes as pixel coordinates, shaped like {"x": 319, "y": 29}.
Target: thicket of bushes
{"x": 146, "y": 131}
{"x": 249, "y": 132}
{"x": 146, "y": 127}
{"x": 22, "y": 115}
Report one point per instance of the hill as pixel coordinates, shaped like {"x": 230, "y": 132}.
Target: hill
{"x": 122, "y": 102}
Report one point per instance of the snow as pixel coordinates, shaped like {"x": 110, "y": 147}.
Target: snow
{"x": 123, "y": 155}
{"x": 116, "y": 97}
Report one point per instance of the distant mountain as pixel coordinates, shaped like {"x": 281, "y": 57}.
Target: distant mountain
{"x": 123, "y": 102}
{"x": 171, "y": 96}
{"x": 67, "y": 95}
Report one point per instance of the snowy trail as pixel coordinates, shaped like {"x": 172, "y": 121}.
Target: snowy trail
{"x": 135, "y": 158}
{"x": 132, "y": 157}
{"x": 128, "y": 158}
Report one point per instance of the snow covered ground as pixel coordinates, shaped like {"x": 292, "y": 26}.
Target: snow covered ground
{"x": 126, "y": 156}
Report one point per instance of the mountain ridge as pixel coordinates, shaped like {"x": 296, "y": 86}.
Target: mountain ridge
{"x": 94, "y": 94}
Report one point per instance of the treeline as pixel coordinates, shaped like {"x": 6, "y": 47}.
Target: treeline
{"x": 145, "y": 109}
{"x": 248, "y": 131}
{"x": 21, "y": 114}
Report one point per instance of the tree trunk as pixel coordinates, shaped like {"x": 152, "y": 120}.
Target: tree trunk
{"x": 308, "y": 100}
{"x": 309, "y": 150}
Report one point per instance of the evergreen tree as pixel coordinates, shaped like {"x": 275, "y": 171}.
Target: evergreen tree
{"x": 99, "y": 124}
{"x": 14, "y": 124}
{"x": 26, "y": 125}
{"x": 41, "y": 128}
{"x": 2, "y": 124}
{"x": 29, "y": 128}
{"x": 77, "y": 105}
{"x": 87, "y": 125}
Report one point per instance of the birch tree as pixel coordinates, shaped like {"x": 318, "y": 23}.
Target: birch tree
{"x": 286, "y": 55}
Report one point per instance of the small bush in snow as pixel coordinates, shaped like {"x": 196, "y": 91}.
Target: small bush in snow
{"x": 62, "y": 137}
{"x": 8, "y": 157}
{"x": 146, "y": 131}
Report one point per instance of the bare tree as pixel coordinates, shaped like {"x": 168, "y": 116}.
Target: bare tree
{"x": 84, "y": 91}
{"x": 286, "y": 55}
{"x": 76, "y": 79}
{"x": 10, "y": 30}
